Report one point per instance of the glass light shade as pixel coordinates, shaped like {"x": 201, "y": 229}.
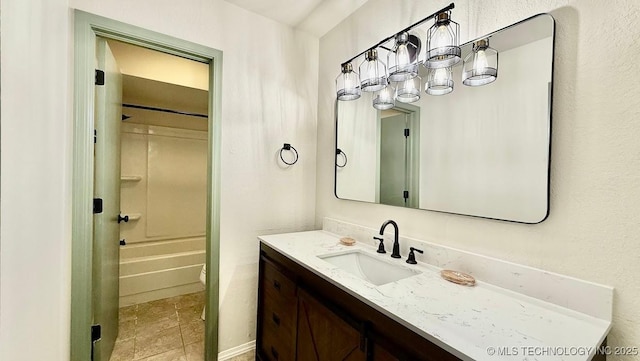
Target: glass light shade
{"x": 440, "y": 81}
{"x": 408, "y": 91}
{"x": 443, "y": 42}
{"x": 481, "y": 65}
{"x": 401, "y": 66}
{"x": 348, "y": 83}
{"x": 373, "y": 72}
{"x": 385, "y": 98}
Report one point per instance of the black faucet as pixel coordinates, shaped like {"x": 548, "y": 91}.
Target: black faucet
{"x": 381, "y": 245}
{"x": 412, "y": 256}
{"x": 396, "y": 244}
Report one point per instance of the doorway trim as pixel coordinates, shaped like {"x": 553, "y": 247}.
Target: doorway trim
{"x": 87, "y": 28}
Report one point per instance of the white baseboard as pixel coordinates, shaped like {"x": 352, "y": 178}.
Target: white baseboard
{"x": 236, "y": 351}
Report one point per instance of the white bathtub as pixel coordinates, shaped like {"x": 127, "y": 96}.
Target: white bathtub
{"x": 160, "y": 269}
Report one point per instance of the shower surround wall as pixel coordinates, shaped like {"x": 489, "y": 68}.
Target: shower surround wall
{"x": 163, "y": 191}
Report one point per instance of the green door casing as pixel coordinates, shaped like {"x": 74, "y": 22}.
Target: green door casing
{"x": 106, "y": 232}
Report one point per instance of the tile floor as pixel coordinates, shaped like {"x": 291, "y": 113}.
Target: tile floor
{"x": 164, "y": 330}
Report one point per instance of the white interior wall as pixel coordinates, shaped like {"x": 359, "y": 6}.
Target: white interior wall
{"x": 591, "y": 232}
{"x": 269, "y": 97}
{"x": 358, "y": 139}
{"x": 35, "y": 129}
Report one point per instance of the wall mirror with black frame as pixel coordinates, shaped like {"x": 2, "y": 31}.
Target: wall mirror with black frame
{"x": 479, "y": 150}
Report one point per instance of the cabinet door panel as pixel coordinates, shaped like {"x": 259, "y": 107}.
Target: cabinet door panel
{"x": 323, "y": 336}
{"x": 380, "y": 354}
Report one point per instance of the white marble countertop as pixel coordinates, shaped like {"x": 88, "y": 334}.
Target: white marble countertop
{"x": 483, "y": 322}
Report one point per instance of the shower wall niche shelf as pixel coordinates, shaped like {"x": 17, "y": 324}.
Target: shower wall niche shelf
{"x": 130, "y": 178}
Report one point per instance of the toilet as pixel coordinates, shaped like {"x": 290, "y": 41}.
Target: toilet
{"x": 203, "y": 280}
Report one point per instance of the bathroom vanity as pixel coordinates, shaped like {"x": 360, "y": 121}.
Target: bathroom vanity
{"x": 311, "y": 309}
{"x": 305, "y": 317}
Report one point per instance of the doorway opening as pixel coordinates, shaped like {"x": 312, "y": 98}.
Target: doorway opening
{"x": 162, "y": 214}
{"x": 399, "y": 155}
{"x": 146, "y": 155}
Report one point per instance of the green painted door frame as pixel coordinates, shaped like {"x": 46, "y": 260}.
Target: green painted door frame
{"x": 87, "y": 27}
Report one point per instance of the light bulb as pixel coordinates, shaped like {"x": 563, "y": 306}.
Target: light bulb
{"x": 385, "y": 99}
{"x": 480, "y": 62}
{"x": 386, "y": 93}
{"x": 408, "y": 85}
{"x": 409, "y": 91}
{"x": 402, "y": 56}
{"x": 441, "y": 76}
{"x": 442, "y": 37}
{"x": 373, "y": 71}
{"x": 440, "y": 81}
{"x": 348, "y": 81}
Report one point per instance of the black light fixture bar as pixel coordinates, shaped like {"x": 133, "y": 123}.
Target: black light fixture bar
{"x": 447, "y": 8}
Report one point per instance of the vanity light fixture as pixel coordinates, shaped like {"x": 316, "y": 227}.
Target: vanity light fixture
{"x": 443, "y": 51}
{"x": 402, "y": 65}
{"x": 348, "y": 83}
{"x": 373, "y": 72}
{"x": 409, "y": 90}
{"x": 481, "y": 65}
{"x": 440, "y": 81}
{"x": 385, "y": 98}
{"x": 443, "y": 42}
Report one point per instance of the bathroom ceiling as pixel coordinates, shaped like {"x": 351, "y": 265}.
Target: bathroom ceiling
{"x": 153, "y": 93}
{"x": 151, "y": 64}
{"x": 314, "y": 16}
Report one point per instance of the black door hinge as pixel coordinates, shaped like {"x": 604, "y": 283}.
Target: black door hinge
{"x": 96, "y": 333}
{"x": 97, "y": 205}
{"x": 95, "y": 136}
{"x": 405, "y": 194}
{"x": 123, "y": 242}
{"x": 99, "y": 77}
{"x": 406, "y": 132}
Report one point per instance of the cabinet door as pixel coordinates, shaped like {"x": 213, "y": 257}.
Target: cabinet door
{"x": 380, "y": 354}
{"x": 323, "y": 336}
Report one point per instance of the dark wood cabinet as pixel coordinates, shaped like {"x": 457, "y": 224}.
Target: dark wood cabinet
{"x": 322, "y": 335}
{"x": 277, "y": 314}
{"x": 380, "y": 354}
{"x": 304, "y": 317}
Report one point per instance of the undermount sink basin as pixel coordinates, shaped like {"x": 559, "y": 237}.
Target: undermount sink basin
{"x": 368, "y": 267}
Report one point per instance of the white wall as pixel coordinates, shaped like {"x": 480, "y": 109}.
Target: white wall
{"x": 35, "y": 186}
{"x": 269, "y": 97}
{"x": 594, "y": 222}
{"x": 358, "y": 133}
